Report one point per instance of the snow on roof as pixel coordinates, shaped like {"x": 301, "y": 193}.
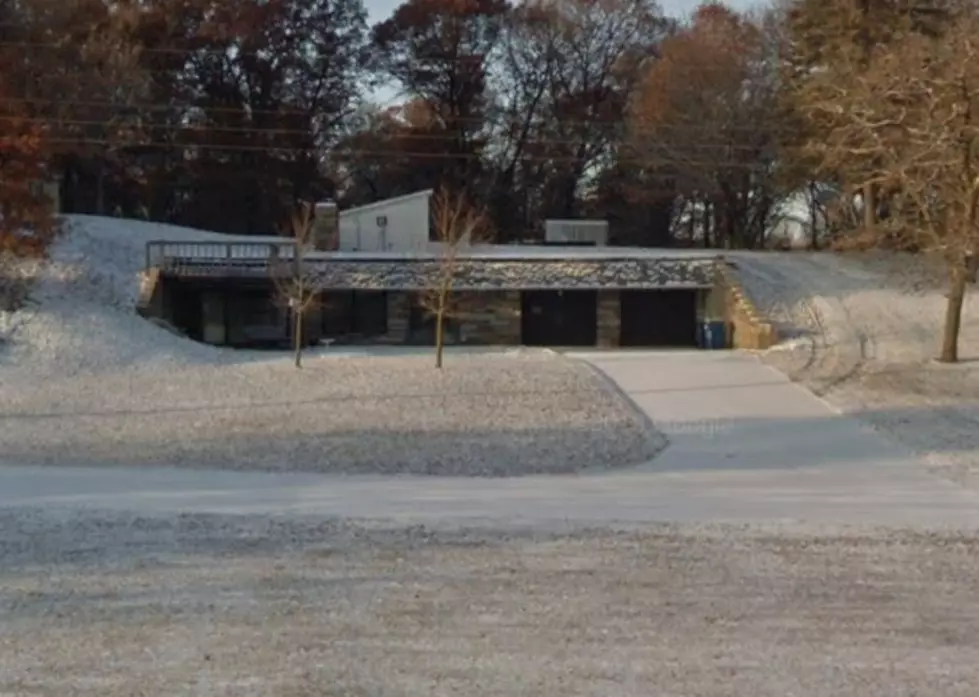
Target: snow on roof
{"x": 383, "y": 203}
{"x": 514, "y": 252}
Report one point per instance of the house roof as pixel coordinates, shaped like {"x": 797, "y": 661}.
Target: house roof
{"x": 513, "y": 252}
{"x": 384, "y": 203}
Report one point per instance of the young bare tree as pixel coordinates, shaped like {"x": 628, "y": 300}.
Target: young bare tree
{"x": 907, "y": 125}
{"x": 457, "y": 224}
{"x": 295, "y": 287}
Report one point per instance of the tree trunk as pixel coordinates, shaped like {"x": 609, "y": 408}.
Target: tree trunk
{"x": 705, "y": 221}
{"x": 692, "y": 224}
{"x": 813, "y": 217}
{"x": 953, "y": 316}
{"x": 869, "y": 207}
{"x": 439, "y": 334}
{"x": 297, "y": 337}
{"x": 99, "y": 187}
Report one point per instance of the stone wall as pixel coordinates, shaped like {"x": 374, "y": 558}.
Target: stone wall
{"x": 483, "y": 317}
{"x": 747, "y": 328}
{"x": 507, "y": 274}
{"x": 399, "y": 306}
{"x": 609, "y": 318}
{"x": 489, "y": 317}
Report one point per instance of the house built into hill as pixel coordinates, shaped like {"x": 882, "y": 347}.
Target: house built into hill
{"x": 550, "y": 295}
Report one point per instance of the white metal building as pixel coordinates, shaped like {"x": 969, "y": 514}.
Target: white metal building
{"x": 398, "y": 224}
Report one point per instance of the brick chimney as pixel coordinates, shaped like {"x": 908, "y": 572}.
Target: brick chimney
{"x": 326, "y": 227}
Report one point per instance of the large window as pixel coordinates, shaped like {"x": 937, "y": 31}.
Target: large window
{"x": 354, "y": 312}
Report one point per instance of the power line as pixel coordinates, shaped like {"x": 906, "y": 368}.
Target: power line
{"x": 476, "y": 120}
{"x": 390, "y": 153}
{"x": 270, "y": 132}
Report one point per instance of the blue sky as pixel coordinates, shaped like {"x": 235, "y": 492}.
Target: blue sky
{"x": 381, "y": 9}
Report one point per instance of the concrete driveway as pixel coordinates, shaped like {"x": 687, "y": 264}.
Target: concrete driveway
{"x": 747, "y": 445}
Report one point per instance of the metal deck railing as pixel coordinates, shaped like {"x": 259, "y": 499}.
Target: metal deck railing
{"x": 215, "y": 257}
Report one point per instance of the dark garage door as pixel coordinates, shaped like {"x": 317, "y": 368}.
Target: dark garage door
{"x": 658, "y": 318}
{"x": 559, "y": 317}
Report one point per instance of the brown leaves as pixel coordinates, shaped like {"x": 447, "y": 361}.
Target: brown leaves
{"x": 904, "y": 118}
{"x": 26, "y": 223}
{"x": 705, "y": 105}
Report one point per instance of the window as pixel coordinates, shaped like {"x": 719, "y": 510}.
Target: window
{"x": 358, "y": 312}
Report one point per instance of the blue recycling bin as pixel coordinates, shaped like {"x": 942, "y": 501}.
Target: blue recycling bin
{"x": 714, "y": 335}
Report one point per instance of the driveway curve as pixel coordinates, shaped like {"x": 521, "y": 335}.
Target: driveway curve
{"x": 746, "y": 445}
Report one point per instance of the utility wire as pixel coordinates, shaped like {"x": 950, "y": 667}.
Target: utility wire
{"x": 204, "y": 129}
{"x": 341, "y": 153}
{"x": 189, "y": 110}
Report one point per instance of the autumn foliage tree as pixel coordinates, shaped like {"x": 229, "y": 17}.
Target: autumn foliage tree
{"x": 702, "y": 119}
{"x": 81, "y": 79}
{"x": 23, "y": 206}
{"x": 839, "y": 37}
{"x": 25, "y": 214}
{"x": 905, "y": 122}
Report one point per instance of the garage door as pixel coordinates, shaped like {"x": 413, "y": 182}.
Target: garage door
{"x": 559, "y": 318}
{"x": 658, "y": 318}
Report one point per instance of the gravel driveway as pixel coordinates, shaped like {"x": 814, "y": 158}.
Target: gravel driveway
{"x": 254, "y": 606}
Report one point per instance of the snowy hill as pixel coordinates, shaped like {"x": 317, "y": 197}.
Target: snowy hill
{"x": 81, "y": 316}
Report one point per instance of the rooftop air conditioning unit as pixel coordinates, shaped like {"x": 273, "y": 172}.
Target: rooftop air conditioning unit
{"x": 576, "y": 232}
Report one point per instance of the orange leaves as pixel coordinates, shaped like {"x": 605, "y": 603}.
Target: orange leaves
{"x": 23, "y": 205}
{"x": 707, "y": 59}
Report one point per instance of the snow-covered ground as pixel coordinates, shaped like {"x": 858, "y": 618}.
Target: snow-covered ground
{"x": 863, "y": 330}
{"x": 97, "y": 599}
{"x": 84, "y": 380}
{"x": 80, "y": 317}
{"x": 113, "y": 606}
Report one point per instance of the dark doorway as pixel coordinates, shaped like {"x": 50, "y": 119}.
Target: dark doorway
{"x": 370, "y": 313}
{"x": 188, "y": 311}
{"x": 559, "y": 317}
{"x": 666, "y": 318}
{"x": 357, "y": 313}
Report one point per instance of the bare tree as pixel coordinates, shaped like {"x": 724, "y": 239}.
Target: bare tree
{"x": 457, "y": 224}
{"x": 294, "y": 281}
{"x": 907, "y": 126}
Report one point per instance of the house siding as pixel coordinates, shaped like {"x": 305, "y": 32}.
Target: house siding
{"x": 405, "y": 228}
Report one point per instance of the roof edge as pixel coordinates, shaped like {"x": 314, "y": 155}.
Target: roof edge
{"x": 428, "y": 193}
